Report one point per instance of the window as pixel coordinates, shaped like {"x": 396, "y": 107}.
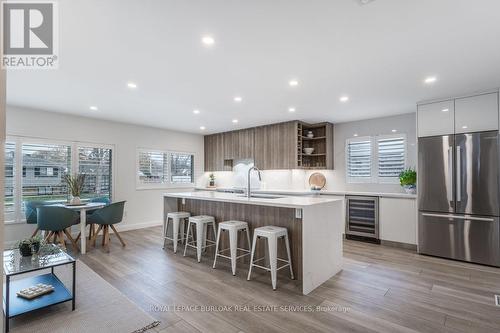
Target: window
{"x": 43, "y": 166}
{"x": 157, "y": 169}
{"x": 10, "y": 162}
{"x": 95, "y": 163}
{"x": 377, "y": 159}
{"x": 153, "y": 167}
{"x": 181, "y": 168}
{"x": 359, "y": 160}
{"x": 391, "y": 152}
{"x": 46, "y": 183}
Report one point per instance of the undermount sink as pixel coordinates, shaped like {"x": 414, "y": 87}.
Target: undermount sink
{"x": 261, "y": 196}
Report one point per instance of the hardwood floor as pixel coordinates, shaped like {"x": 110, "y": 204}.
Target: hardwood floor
{"x": 380, "y": 289}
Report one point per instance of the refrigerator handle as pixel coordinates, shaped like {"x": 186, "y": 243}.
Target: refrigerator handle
{"x": 459, "y": 175}
{"x": 449, "y": 188}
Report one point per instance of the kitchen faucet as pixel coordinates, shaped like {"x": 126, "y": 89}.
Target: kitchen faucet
{"x": 249, "y": 194}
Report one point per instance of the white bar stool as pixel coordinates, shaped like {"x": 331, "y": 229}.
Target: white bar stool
{"x": 202, "y": 222}
{"x": 178, "y": 219}
{"x": 233, "y": 227}
{"x": 272, "y": 233}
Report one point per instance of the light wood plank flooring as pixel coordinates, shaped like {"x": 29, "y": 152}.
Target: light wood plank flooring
{"x": 380, "y": 289}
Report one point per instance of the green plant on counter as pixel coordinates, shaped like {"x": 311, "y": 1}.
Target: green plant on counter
{"x": 211, "y": 179}
{"x": 408, "y": 177}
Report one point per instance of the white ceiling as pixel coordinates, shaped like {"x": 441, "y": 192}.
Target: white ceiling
{"x": 378, "y": 54}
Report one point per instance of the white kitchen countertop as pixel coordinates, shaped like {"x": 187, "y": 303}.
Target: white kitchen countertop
{"x": 285, "y": 201}
{"x": 322, "y": 192}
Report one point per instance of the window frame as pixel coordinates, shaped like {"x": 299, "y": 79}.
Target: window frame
{"x": 168, "y": 184}
{"x": 374, "y": 170}
{"x": 18, "y": 216}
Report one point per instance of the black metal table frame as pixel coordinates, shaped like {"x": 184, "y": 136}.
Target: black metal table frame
{"x": 7, "y": 291}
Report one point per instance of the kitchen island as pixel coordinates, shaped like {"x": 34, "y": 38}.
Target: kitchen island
{"x": 314, "y": 226}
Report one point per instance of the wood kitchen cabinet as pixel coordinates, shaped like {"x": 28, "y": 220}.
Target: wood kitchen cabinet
{"x": 239, "y": 145}
{"x": 214, "y": 153}
{"x": 276, "y": 146}
{"x": 272, "y": 147}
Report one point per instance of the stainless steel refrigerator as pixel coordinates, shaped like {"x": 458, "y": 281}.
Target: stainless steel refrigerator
{"x": 458, "y": 188}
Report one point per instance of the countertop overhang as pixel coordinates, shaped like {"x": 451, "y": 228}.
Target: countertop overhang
{"x": 282, "y": 201}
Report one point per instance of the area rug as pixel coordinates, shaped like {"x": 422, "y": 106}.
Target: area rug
{"x": 99, "y": 308}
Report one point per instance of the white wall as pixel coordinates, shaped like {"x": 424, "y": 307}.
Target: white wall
{"x": 405, "y": 123}
{"x": 143, "y": 207}
{"x": 336, "y": 179}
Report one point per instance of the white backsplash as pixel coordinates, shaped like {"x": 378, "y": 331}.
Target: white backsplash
{"x": 272, "y": 179}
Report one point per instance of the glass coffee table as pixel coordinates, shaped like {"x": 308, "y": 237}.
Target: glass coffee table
{"x": 50, "y": 256}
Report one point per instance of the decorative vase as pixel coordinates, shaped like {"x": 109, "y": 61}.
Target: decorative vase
{"x": 310, "y": 134}
{"x": 410, "y": 189}
{"x": 25, "y": 250}
{"x": 75, "y": 201}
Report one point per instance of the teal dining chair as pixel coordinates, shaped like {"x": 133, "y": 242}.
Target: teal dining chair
{"x": 104, "y": 200}
{"x": 57, "y": 220}
{"x": 30, "y": 212}
{"x": 106, "y": 218}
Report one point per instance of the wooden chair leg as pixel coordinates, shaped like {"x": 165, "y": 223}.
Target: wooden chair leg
{"x": 91, "y": 231}
{"x": 35, "y": 232}
{"x": 78, "y": 236}
{"x": 105, "y": 238}
{"x": 73, "y": 242}
{"x": 95, "y": 235}
{"x": 54, "y": 239}
{"x": 47, "y": 237}
{"x": 104, "y": 228}
{"x": 117, "y": 235}
{"x": 60, "y": 235}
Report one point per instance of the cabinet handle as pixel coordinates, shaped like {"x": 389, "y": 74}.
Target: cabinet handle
{"x": 459, "y": 175}
{"x": 460, "y": 217}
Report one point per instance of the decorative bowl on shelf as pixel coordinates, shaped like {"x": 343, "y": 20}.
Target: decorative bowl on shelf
{"x": 308, "y": 151}
{"x": 310, "y": 134}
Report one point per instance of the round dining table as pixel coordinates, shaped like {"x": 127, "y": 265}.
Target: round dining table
{"x": 83, "y": 208}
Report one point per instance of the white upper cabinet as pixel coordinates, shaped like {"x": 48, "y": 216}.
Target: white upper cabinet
{"x": 476, "y": 113}
{"x": 436, "y": 118}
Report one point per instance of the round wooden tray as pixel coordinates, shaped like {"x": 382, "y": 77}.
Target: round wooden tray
{"x": 317, "y": 180}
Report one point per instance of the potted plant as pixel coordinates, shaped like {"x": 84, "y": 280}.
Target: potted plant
{"x": 24, "y": 247}
{"x": 408, "y": 180}
{"x": 211, "y": 180}
{"x": 36, "y": 242}
{"x": 75, "y": 186}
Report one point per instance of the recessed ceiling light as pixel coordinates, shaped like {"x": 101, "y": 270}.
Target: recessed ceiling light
{"x": 464, "y": 127}
{"x": 208, "y": 40}
{"x": 430, "y": 79}
{"x": 293, "y": 83}
{"x": 202, "y": 128}
{"x": 235, "y": 121}
{"x": 131, "y": 85}
{"x": 355, "y": 134}
{"x": 344, "y": 99}
{"x": 291, "y": 109}
{"x": 394, "y": 131}
{"x": 93, "y": 108}
{"x": 445, "y": 110}
{"x": 196, "y": 111}
{"x": 238, "y": 99}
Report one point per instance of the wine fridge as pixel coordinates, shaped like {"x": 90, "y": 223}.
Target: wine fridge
{"x": 362, "y": 218}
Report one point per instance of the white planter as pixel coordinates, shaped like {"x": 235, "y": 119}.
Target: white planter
{"x": 75, "y": 201}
